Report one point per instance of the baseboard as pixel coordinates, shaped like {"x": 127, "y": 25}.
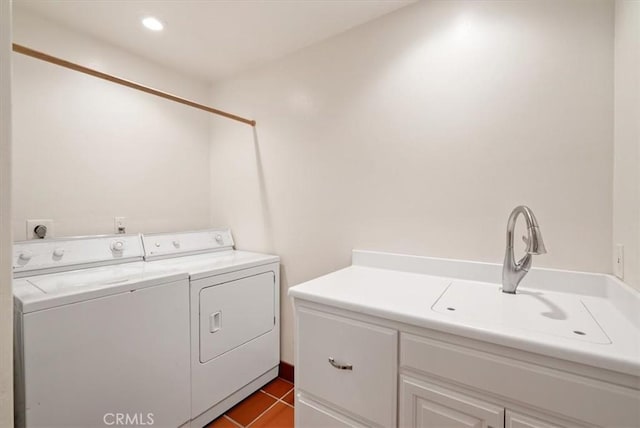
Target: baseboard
{"x": 286, "y": 372}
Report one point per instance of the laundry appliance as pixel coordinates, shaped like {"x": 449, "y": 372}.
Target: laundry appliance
{"x": 102, "y": 338}
{"x": 235, "y": 315}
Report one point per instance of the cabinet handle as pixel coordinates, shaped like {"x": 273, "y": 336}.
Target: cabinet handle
{"x": 340, "y": 366}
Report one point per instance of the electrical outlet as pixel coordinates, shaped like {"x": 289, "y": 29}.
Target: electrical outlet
{"x": 618, "y": 266}
{"x": 33, "y": 223}
{"x": 119, "y": 225}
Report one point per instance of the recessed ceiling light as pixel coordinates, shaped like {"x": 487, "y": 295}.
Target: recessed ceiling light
{"x": 152, "y": 23}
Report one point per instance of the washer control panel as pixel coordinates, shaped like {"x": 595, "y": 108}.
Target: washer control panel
{"x": 159, "y": 245}
{"x": 45, "y": 255}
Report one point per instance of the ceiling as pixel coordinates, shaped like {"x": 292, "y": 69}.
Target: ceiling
{"x": 212, "y": 39}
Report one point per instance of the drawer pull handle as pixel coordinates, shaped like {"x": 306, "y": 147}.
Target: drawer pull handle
{"x": 340, "y": 366}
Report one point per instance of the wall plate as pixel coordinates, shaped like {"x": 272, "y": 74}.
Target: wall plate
{"x": 119, "y": 225}
{"x": 32, "y": 223}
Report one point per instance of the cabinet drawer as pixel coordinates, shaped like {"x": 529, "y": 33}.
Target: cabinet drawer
{"x": 366, "y": 383}
{"x": 313, "y": 415}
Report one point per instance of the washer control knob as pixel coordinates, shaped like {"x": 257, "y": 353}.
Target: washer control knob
{"x": 219, "y": 239}
{"x": 157, "y": 244}
{"x": 176, "y": 244}
{"x": 117, "y": 246}
{"x": 58, "y": 252}
{"x": 25, "y": 255}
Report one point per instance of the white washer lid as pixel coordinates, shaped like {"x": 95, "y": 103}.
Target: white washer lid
{"x": 47, "y": 291}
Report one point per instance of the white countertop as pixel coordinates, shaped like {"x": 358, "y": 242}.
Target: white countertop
{"x": 407, "y": 288}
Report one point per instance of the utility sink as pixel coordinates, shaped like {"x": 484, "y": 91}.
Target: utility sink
{"x": 537, "y": 311}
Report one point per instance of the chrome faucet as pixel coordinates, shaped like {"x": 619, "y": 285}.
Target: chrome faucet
{"x": 512, "y": 272}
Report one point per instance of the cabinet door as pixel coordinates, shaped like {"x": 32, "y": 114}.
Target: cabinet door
{"x": 518, "y": 420}
{"x": 425, "y": 405}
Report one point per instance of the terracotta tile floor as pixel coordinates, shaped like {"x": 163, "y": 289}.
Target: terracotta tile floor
{"x": 271, "y": 407}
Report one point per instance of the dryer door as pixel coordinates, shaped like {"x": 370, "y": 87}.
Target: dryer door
{"x": 235, "y": 312}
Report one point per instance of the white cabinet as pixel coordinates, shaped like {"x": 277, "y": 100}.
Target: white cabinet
{"x": 427, "y": 405}
{"x": 351, "y": 368}
{"x": 350, "y": 364}
{"x": 424, "y": 405}
{"x": 556, "y": 391}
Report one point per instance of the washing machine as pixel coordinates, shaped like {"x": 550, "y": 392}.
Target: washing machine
{"x": 101, "y": 337}
{"x": 235, "y": 316}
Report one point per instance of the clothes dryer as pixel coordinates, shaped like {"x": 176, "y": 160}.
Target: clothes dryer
{"x": 235, "y": 315}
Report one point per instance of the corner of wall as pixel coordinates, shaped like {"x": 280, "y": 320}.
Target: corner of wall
{"x": 6, "y": 293}
{"x": 626, "y": 184}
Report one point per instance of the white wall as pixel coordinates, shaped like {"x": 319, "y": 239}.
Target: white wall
{"x": 418, "y": 133}
{"x": 626, "y": 190}
{"x": 86, "y": 150}
{"x": 6, "y": 295}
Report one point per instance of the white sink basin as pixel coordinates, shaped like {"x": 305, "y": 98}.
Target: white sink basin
{"x": 541, "y": 311}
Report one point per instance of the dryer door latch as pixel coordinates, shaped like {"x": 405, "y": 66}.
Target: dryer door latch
{"x": 214, "y": 321}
